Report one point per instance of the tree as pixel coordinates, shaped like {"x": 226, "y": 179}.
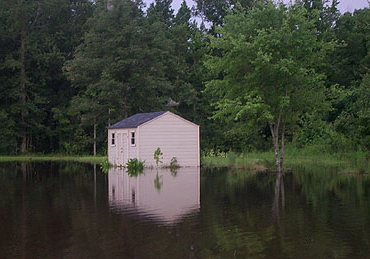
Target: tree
{"x": 215, "y": 11}
{"x": 350, "y": 63}
{"x": 117, "y": 69}
{"x": 36, "y": 38}
{"x": 362, "y": 108}
{"x": 264, "y": 67}
{"x": 328, "y": 14}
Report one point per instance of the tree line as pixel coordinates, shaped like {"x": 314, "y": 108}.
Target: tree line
{"x": 254, "y": 74}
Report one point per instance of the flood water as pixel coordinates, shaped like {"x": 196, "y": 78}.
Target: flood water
{"x": 73, "y": 210}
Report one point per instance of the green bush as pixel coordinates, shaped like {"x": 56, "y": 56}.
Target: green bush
{"x": 174, "y": 165}
{"x": 105, "y": 165}
{"x": 158, "y": 156}
{"x": 135, "y": 167}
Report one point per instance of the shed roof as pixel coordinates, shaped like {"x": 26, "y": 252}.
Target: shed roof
{"x": 136, "y": 120}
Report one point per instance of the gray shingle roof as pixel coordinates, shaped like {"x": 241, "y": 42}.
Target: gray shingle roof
{"x": 136, "y": 120}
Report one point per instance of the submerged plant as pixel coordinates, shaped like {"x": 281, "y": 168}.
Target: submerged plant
{"x": 135, "y": 167}
{"x": 105, "y": 165}
{"x": 158, "y": 182}
{"x": 174, "y": 165}
{"x": 158, "y": 156}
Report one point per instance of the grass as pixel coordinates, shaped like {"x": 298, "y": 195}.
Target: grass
{"x": 345, "y": 162}
{"x": 349, "y": 162}
{"x": 259, "y": 161}
{"x": 42, "y": 158}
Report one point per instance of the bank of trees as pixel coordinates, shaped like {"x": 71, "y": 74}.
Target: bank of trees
{"x": 255, "y": 76}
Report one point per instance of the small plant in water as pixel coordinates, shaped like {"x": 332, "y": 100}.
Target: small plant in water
{"x": 105, "y": 165}
{"x": 135, "y": 167}
{"x": 158, "y": 156}
{"x": 174, "y": 165}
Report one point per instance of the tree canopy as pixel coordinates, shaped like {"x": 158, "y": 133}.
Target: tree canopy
{"x": 70, "y": 68}
{"x": 266, "y": 62}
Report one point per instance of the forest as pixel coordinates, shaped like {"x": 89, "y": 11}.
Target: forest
{"x": 254, "y": 74}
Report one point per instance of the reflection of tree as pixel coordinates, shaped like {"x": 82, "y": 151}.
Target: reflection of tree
{"x": 338, "y": 204}
{"x": 279, "y": 189}
{"x": 235, "y": 201}
{"x": 45, "y": 202}
{"x": 234, "y": 240}
{"x": 173, "y": 171}
{"x": 326, "y": 216}
{"x": 158, "y": 182}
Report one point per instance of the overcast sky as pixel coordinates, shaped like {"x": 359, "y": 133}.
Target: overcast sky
{"x": 344, "y": 6}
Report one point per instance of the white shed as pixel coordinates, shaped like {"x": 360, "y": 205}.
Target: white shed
{"x": 141, "y": 134}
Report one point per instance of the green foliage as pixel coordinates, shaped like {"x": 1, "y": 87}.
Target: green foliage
{"x": 135, "y": 167}
{"x": 267, "y": 59}
{"x": 312, "y": 156}
{"x": 36, "y": 39}
{"x": 278, "y": 77}
{"x": 174, "y": 165}
{"x": 64, "y": 63}
{"x": 52, "y": 158}
{"x": 158, "y": 156}
{"x": 105, "y": 165}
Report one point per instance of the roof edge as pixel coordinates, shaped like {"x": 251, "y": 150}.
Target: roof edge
{"x": 133, "y": 127}
{"x": 178, "y": 116}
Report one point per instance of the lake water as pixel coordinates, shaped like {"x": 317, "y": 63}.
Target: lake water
{"x": 72, "y": 210}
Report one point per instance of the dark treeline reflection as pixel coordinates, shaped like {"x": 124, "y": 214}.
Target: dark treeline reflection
{"x": 306, "y": 214}
{"x": 66, "y": 210}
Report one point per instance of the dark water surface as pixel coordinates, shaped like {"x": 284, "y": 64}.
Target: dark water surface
{"x": 72, "y": 210}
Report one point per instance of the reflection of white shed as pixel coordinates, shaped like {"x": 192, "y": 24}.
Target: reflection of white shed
{"x": 168, "y": 202}
{"x": 141, "y": 134}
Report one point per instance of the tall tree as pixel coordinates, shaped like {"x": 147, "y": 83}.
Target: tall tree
{"x": 39, "y": 36}
{"x": 214, "y": 11}
{"x": 325, "y": 13}
{"x": 265, "y": 69}
{"x": 115, "y": 70}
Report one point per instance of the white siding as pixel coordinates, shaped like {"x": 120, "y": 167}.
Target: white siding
{"x": 112, "y": 149}
{"x": 119, "y": 153}
{"x": 132, "y": 149}
{"x": 175, "y": 137}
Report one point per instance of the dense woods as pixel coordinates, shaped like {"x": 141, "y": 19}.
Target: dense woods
{"x": 254, "y": 74}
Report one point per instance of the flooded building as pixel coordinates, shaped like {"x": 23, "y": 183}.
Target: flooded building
{"x": 140, "y": 135}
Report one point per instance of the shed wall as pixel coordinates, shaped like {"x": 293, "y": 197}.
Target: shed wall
{"x": 174, "y": 136}
{"x": 121, "y": 151}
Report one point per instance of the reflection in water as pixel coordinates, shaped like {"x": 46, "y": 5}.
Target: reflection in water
{"x": 71, "y": 210}
{"x": 167, "y": 200}
{"x": 279, "y": 192}
{"x": 158, "y": 182}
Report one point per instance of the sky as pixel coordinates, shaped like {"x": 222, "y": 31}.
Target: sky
{"x": 344, "y": 5}
{"x": 351, "y": 5}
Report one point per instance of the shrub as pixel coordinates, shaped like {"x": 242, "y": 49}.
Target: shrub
{"x": 135, "y": 167}
{"x": 105, "y": 165}
{"x": 158, "y": 156}
{"x": 174, "y": 165}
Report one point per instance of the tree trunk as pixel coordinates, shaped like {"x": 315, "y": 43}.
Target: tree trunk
{"x": 279, "y": 192}
{"x": 282, "y": 146}
{"x": 22, "y": 76}
{"x": 94, "y": 137}
{"x": 277, "y": 155}
{"x": 278, "y": 147}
